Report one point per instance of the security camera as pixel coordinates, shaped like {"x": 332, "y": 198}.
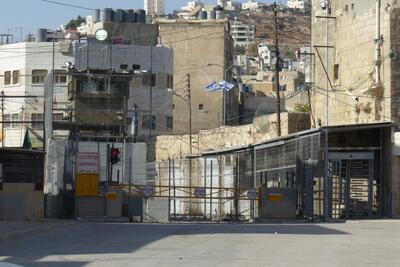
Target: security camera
{"x": 69, "y": 65}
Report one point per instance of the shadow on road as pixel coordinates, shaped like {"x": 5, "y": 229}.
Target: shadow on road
{"x": 111, "y": 238}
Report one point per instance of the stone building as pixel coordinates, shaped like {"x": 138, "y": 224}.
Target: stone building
{"x": 362, "y": 71}
{"x": 203, "y": 49}
{"x": 357, "y": 43}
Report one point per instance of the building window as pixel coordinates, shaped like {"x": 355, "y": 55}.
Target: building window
{"x": 336, "y": 72}
{"x": 149, "y": 122}
{"x": 170, "y": 81}
{"x": 38, "y": 76}
{"x": 37, "y": 120}
{"x": 7, "y": 78}
{"x": 57, "y": 116}
{"x": 15, "y": 77}
{"x": 170, "y": 122}
{"x": 6, "y": 119}
{"x": 201, "y": 106}
{"x": 60, "y": 76}
{"x": 15, "y": 118}
{"x": 149, "y": 80}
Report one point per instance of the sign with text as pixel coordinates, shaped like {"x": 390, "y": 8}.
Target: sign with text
{"x": 87, "y": 162}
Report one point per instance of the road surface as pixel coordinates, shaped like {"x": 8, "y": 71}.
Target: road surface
{"x": 356, "y": 243}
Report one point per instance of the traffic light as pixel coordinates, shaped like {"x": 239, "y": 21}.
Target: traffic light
{"x": 114, "y": 157}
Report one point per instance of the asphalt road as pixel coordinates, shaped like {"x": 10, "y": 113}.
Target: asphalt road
{"x": 374, "y": 243}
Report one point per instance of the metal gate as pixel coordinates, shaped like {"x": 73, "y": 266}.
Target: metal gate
{"x": 351, "y": 178}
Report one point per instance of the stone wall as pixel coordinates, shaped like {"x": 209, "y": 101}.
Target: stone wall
{"x": 351, "y": 52}
{"x": 262, "y": 128}
{"x": 356, "y": 97}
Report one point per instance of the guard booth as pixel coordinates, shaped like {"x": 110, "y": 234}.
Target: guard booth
{"x": 337, "y": 172}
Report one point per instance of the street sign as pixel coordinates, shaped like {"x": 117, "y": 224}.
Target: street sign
{"x": 148, "y": 191}
{"x": 200, "y": 192}
{"x": 87, "y": 162}
{"x": 252, "y": 194}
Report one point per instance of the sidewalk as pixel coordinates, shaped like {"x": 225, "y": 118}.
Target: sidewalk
{"x": 10, "y": 230}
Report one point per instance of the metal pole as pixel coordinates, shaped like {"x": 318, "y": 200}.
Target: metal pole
{"x": 190, "y": 113}
{"x": 151, "y": 93}
{"x": 174, "y": 185}
{"x": 129, "y": 190}
{"x": 378, "y": 42}
{"x": 190, "y": 143}
{"x": 224, "y": 99}
{"x": 211, "y": 188}
{"x": 277, "y": 70}
{"x": 205, "y": 186}
{"x": 169, "y": 189}
{"x": 327, "y": 66}
{"x": 2, "y": 118}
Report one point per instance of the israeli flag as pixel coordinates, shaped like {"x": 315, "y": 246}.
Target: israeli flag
{"x": 213, "y": 87}
{"x": 222, "y": 85}
{"x": 227, "y": 86}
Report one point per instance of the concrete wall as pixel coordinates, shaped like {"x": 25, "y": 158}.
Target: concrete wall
{"x": 197, "y": 44}
{"x": 262, "y": 128}
{"x": 20, "y": 201}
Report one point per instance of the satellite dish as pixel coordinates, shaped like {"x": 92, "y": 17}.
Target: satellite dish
{"x": 324, "y": 4}
{"x": 101, "y": 35}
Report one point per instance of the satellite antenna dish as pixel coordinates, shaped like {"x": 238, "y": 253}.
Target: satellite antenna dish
{"x": 101, "y": 35}
{"x": 324, "y": 4}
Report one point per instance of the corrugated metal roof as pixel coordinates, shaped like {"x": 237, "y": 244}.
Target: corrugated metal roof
{"x": 298, "y": 134}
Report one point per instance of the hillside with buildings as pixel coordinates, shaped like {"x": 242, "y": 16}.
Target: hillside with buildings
{"x": 294, "y": 30}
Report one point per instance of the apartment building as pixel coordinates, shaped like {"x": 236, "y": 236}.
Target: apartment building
{"x": 242, "y": 34}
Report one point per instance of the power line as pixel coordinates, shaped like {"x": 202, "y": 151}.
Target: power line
{"x": 69, "y": 5}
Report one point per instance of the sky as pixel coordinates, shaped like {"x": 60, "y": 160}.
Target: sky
{"x": 34, "y": 14}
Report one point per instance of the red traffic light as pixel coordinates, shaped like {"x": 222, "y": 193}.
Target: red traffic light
{"x": 114, "y": 155}
{"x": 114, "y": 152}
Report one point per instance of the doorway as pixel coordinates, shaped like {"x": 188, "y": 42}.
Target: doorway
{"x": 351, "y": 177}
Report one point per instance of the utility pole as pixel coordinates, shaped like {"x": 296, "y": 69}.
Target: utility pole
{"x": 2, "y": 118}
{"x": 277, "y": 70}
{"x": 151, "y": 92}
{"x": 190, "y": 112}
{"x": 189, "y": 101}
{"x": 378, "y": 43}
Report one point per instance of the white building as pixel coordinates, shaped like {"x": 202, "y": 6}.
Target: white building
{"x": 23, "y": 68}
{"x": 252, "y": 5}
{"x": 190, "y": 10}
{"x": 154, "y": 7}
{"x": 303, "y": 5}
{"x": 267, "y": 55}
{"x": 242, "y": 34}
{"x": 233, "y": 6}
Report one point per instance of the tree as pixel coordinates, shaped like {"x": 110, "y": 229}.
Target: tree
{"x": 252, "y": 50}
{"x": 73, "y": 24}
{"x": 240, "y": 50}
{"x": 301, "y": 107}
